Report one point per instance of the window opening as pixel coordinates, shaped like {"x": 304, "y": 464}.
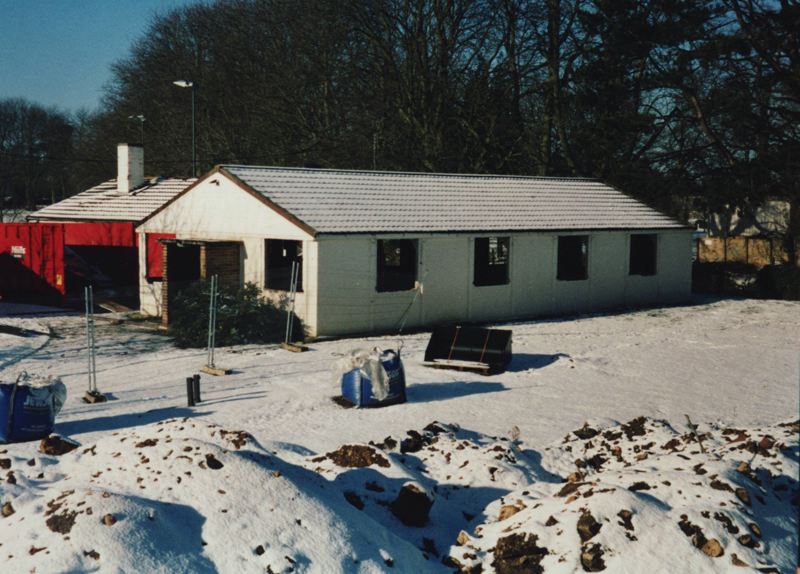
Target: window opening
{"x": 573, "y": 258}
{"x": 643, "y": 254}
{"x": 280, "y": 254}
{"x": 491, "y": 261}
{"x": 397, "y": 264}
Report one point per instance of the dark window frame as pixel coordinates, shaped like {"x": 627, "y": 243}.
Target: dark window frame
{"x": 278, "y": 257}
{"x": 397, "y": 264}
{"x": 492, "y": 261}
{"x": 572, "y": 258}
{"x": 643, "y": 254}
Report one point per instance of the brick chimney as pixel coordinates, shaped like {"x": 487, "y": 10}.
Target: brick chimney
{"x": 130, "y": 167}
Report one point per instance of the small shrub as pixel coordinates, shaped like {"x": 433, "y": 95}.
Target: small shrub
{"x": 780, "y": 282}
{"x": 730, "y": 278}
{"x": 243, "y": 316}
{"x": 738, "y": 279}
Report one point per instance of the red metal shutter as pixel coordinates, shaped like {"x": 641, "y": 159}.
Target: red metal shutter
{"x": 155, "y": 254}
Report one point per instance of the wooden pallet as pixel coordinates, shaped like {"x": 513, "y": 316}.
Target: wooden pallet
{"x": 294, "y": 347}
{"x": 94, "y": 397}
{"x": 472, "y": 366}
{"x": 216, "y": 371}
{"x": 113, "y": 306}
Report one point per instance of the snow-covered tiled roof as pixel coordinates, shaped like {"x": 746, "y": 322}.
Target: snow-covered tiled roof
{"x": 334, "y": 201}
{"x": 106, "y": 203}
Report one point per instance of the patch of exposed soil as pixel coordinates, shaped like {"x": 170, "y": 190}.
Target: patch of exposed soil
{"x": 592, "y": 558}
{"x": 412, "y": 506}
{"x": 588, "y": 527}
{"x": 236, "y": 437}
{"x": 354, "y": 499}
{"x": 356, "y": 456}
{"x": 626, "y": 517}
{"x": 586, "y": 432}
{"x": 518, "y": 553}
{"x": 640, "y": 485}
{"x": 635, "y": 427}
{"x": 213, "y": 463}
{"x": 62, "y": 523}
{"x": 54, "y": 445}
{"x": 147, "y": 442}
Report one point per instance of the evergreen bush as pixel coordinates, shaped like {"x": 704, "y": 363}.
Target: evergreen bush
{"x": 243, "y": 316}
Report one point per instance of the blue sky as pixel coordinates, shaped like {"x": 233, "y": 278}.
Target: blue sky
{"x": 59, "y": 52}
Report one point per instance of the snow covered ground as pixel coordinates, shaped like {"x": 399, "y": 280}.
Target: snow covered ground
{"x": 279, "y": 503}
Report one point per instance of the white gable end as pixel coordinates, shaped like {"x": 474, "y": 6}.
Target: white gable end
{"x": 217, "y": 208}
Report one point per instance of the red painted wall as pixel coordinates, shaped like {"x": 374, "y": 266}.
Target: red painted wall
{"x": 105, "y": 234}
{"x": 32, "y": 254}
{"x": 32, "y": 260}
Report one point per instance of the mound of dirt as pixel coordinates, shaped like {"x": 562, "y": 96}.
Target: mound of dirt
{"x": 656, "y": 501}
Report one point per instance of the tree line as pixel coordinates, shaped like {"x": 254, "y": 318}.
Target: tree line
{"x": 685, "y": 104}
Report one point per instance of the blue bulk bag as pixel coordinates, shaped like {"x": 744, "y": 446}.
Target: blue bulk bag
{"x": 28, "y": 411}
{"x": 357, "y": 387}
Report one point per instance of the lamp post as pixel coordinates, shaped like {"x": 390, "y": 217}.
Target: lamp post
{"x": 139, "y": 117}
{"x": 189, "y": 84}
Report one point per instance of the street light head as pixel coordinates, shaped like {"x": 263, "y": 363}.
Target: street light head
{"x": 183, "y": 83}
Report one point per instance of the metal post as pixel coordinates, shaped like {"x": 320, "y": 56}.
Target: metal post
{"x": 295, "y": 277}
{"x": 189, "y": 392}
{"x": 194, "y": 145}
{"x": 90, "y": 339}
{"x": 296, "y": 266}
{"x": 212, "y": 321}
{"x": 94, "y": 345}
{"x": 292, "y": 294}
{"x": 92, "y": 395}
{"x": 193, "y": 87}
{"x": 196, "y": 388}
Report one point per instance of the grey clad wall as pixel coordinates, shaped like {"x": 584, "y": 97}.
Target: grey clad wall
{"x": 349, "y": 303}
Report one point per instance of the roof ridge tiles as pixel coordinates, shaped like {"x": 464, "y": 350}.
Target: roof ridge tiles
{"x": 358, "y": 172}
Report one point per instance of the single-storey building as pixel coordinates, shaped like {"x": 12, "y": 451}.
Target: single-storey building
{"x": 88, "y": 236}
{"x": 376, "y": 247}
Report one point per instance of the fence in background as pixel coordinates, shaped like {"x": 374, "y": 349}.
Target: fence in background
{"x": 754, "y": 251}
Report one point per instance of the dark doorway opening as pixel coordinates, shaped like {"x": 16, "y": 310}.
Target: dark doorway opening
{"x": 188, "y": 261}
{"x": 183, "y": 268}
{"x": 644, "y": 247}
